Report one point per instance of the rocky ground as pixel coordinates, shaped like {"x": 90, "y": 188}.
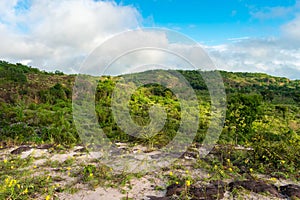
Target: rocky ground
{"x": 55, "y": 172}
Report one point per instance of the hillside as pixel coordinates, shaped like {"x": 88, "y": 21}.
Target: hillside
{"x": 23, "y": 83}
{"x": 263, "y": 115}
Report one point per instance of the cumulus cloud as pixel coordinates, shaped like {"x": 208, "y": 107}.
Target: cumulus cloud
{"x": 58, "y": 34}
{"x": 274, "y": 56}
{"x": 279, "y": 56}
{"x": 145, "y": 49}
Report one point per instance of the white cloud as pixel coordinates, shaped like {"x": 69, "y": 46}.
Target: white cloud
{"x": 58, "y": 34}
{"x": 7, "y": 10}
{"x": 291, "y": 31}
{"x": 143, "y": 49}
{"x": 269, "y": 55}
{"x": 267, "y": 13}
{"x": 278, "y": 56}
{"x": 270, "y": 13}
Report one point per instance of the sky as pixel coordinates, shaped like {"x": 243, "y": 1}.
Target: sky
{"x": 238, "y": 35}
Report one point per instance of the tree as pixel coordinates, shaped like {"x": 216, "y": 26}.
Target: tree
{"x": 242, "y": 111}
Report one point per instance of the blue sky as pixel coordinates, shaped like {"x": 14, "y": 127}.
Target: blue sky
{"x": 214, "y": 21}
{"x": 239, "y": 35}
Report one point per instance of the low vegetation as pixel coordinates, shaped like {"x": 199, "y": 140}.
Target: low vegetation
{"x": 261, "y": 134}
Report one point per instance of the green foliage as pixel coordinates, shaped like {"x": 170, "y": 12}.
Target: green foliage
{"x": 55, "y": 94}
{"x": 263, "y": 113}
{"x": 139, "y": 105}
{"x": 15, "y": 73}
{"x": 242, "y": 111}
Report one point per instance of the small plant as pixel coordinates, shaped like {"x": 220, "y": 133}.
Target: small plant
{"x": 88, "y": 172}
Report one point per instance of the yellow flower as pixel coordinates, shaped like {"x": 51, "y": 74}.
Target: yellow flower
{"x": 176, "y": 182}
{"x": 10, "y": 183}
{"x": 171, "y": 173}
{"x": 230, "y": 169}
{"x": 69, "y": 173}
{"x": 216, "y": 167}
{"x": 91, "y": 174}
{"x": 246, "y": 161}
{"x": 18, "y": 186}
{"x": 7, "y": 181}
{"x": 228, "y": 160}
{"x": 251, "y": 170}
{"x": 25, "y": 191}
{"x": 12, "y": 167}
{"x": 273, "y": 179}
{"x": 5, "y": 161}
{"x": 221, "y": 172}
{"x": 187, "y": 171}
{"x": 34, "y": 166}
{"x": 48, "y": 197}
{"x": 282, "y": 161}
{"x": 69, "y": 168}
{"x": 188, "y": 183}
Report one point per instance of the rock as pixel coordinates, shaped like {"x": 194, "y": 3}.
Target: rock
{"x": 174, "y": 189}
{"x": 290, "y": 190}
{"x": 121, "y": 145}
{"x": 215, "y": 190}
{"x": 190, "y": 155}
{"x": 81, "y": 150}
{"x": 20, "y": 150}
{"x": 158, "y": 198}
{"x": 218, "y": 183}
{"x": 45, "y": 146}
{"x": 256, "y": 186}
{"x": 139, "y": 149}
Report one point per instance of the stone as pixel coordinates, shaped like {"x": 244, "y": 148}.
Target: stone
{"x": 291, "y": 190}
{"x": 21, "y": 149}
{"x": 256, "y": 186}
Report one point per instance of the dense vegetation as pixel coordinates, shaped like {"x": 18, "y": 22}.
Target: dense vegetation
{"x": 263, "y": 113}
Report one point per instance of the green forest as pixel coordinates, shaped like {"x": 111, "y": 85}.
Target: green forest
{"x": 263, "y": 113}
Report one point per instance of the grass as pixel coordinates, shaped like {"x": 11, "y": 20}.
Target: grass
{"x": 22, "y": 179}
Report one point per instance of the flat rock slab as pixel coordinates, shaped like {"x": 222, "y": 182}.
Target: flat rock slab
{"x": 256, "y": 186}
{"x": 215, "y": 190}
{"x": 159, "y": 198}
{"x": 20, "y": 150}
{"x": 45, "y": 146}
{"x": 291, "y": 190}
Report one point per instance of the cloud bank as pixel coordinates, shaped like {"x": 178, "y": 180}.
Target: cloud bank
{"x": 278, "y": 56}
{"x": 60, "y": 34}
